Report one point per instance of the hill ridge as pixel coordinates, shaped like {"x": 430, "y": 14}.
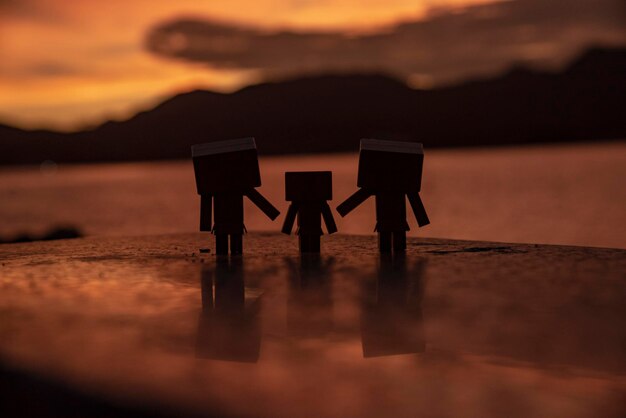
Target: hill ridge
{"x": 331, "y": 112}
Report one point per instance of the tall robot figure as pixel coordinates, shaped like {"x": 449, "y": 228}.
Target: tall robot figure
{"x": 308, "y": 192}
{"x": 226, "y": 171}
{"x": 389, "y": 170}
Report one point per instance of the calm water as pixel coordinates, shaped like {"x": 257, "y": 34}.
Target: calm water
{"x": 571, "y": 194}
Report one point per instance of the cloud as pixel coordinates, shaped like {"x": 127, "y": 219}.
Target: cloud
{"x": 14, "y": 7}
{"x": 447, "y": 45}
{"x": 49, "y": 69}
{"x": 30, "y": 10}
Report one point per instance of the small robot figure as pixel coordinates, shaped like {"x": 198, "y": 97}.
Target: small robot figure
{"x": 308, "y": 192}
{"x": 389, "y": 170}
{"x": 226, "y": 171}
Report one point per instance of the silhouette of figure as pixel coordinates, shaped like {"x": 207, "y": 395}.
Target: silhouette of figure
{"x": 389, "y": 170}
{"x": 229, "y": 324}
{"x": 226, "y": 171}
{"x": 308, "y": 192}
{"x": 391, "y": 320}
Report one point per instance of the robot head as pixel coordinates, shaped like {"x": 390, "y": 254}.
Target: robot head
{"x": 226, "y": 165}
{"x": 390, "y": 165}
{"x": 308, "y": 185}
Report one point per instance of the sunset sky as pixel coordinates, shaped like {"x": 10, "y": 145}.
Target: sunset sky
{"x": 71, "y": 64}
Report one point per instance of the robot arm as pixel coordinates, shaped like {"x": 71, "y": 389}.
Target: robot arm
{"x": 328, "y": 219}
{"x": 353, "y": 201}
{"x": 262, "y": 203}
{"x": 206, "y": 203}
{"x": 418, "y": 209}
{"x": 290, "y": 218}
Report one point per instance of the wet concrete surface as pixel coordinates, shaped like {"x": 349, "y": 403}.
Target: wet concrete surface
{"x": 150, "y": 326}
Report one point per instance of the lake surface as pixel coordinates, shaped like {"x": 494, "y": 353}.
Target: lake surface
{"x": 562, "y": 194}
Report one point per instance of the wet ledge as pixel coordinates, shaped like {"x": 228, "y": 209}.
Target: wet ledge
{"x": 144, "y": 326}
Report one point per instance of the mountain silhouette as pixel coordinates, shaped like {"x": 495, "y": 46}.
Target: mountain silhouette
{"x": 330, "y": 113}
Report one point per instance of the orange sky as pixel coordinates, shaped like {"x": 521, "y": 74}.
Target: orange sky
{"x": 67, "y": 64}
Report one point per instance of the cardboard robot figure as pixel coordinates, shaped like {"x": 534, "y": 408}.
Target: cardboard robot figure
{"x": 389, "y": 170}
{"x": 226, "y": 171}
{"x": 308, "y": 192}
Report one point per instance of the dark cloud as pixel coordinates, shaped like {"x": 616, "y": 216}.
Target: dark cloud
{"x": 30, "y": 9}
{"x": 9, "y": 4}
{"x": 50, "y": 69}
{"x": 13, "y": 6}
{"x": 41, "y": 69}
{"x": 446, "y": 46}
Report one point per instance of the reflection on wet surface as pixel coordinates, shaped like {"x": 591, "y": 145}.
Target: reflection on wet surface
{"x": 391, "y": 322}
{"x": 444, "y": 331}
{"x": 390, "y": 318}
{"x": 310, "y": 299}
{"x": 228, "y": 326}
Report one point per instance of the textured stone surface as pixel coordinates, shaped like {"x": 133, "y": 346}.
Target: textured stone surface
{"x": 455, "y": 328}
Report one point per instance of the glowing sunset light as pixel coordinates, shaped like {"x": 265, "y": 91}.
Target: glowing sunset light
{"x": 65, "y": 65}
